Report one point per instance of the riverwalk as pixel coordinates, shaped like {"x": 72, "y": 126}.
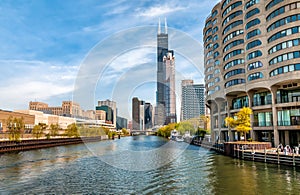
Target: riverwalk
{"x": 258, "y": 154}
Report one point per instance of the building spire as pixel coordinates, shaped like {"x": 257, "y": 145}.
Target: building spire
{"x": 158, "y": 32}
{"x": 166, "y": 26}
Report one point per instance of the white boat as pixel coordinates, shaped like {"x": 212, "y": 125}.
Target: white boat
{"x": 179, "y": 138}
{"x": 174, "y": 134}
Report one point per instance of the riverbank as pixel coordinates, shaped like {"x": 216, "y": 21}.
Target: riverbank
{"x": 259, "y": 154}
{"x": 13, "y": 146}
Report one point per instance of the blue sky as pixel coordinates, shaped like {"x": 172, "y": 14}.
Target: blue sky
{"x": 44, "y": 43}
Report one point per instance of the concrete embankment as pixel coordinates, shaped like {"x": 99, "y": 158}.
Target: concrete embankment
{"x": 10, "y": 146}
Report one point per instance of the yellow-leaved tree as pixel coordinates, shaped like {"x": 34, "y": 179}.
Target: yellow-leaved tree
{"x": 241, "y": 122}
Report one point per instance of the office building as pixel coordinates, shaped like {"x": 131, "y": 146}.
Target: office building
{"x": 141, "y": 114}
{"x": 113, "y": 106}
{"x": 252, "y": 59}
{"x": 192, "y": 100}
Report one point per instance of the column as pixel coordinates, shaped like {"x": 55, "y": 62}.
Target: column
{"x": 275, "y": 117}
{"x": 250, "y": 101}
{"x": 229, "y": 105}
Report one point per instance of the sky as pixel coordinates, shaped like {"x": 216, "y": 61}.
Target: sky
{"x": 48, "y": 47}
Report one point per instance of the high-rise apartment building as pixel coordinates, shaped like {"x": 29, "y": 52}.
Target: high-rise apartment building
{"x": 252, "y": 59}
{"x": 192, "y": 100}
{"x": 165, "y": 111}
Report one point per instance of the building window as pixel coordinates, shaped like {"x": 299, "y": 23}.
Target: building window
{"x": 209, "y": 54}
{"x": 232, "y": 35}
{"x": 209, "y": 76}
{"x": 217, "y": 88}
{"x": 284, "y": 57}
{"x": 231, "y": 16}
{"x": 217, "y": 71}
{"x": 210, "y": 84}
{"x": 217, "y": 79}
{"x": 208, "y": 39}
{"x": 234, "y": 82}
{"x": 234, "y": 72}
{"x": 209, "y": 46}
{"x": 216, "y": 54}
{"x": 209, "y": 69}
{"x": 254, "y": 54}
{"x": 283, "y": 22}
{"x": 214, "y": 13}
{"x": 208, "y": 23}
{"x": 217, "y": 63}
{"x": 208, "y": 31}
{"x": 215, "y": 30}
{"x": 285, "y": 69}
{"x": 284, "y": 33}
{"x": 252, "y": 13}
{"x": 255, "y": 65}
{"x": 284, "y": 45}
{"x": 254, "y": 76}
{"x": 232, "y": 25}
{"x": 215, "y": 21}
{"x": 253, "y": 33}
{"x": 251, "y": 3}
{"x": 231, "y": 7}
{"x": 234, "y": 63}
{"x": 273, "y": 3}
{"x": 233, "y": 44}
{"x": 226, "y": 3}
{"x": 240, "y": 102}
{"x": 209, "y": 61}
{"x": 254, "y": 22}
{"x": 216, "y": 46}
{"x": 216, "y": 37}
{"x": 232, "y": 54}
{"x": 253, "y": 44}
{"x": 275, "y": 13}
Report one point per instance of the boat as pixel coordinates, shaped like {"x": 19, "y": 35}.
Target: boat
{"x": 179, "y": 138}
{"x": 174, "y": 134}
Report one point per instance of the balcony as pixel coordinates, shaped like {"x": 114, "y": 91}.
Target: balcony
{"x": 289, "y": 123}
{"x": 262, "y": 124}
{"x": 268, "y": 102}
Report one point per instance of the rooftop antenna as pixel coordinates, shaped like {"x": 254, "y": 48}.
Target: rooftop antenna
{"x": 158, "y": 32}
{"x": 166, "y": 26}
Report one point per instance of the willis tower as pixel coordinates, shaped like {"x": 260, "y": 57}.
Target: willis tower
{"x": 165, "y": 111}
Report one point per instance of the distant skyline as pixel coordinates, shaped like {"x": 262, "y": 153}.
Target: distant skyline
{"x": 44, "y": 42}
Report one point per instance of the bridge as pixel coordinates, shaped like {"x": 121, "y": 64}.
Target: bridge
{"x": 144, "y": 132}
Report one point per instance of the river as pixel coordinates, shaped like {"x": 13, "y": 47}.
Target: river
{"x": 139, "y": 165}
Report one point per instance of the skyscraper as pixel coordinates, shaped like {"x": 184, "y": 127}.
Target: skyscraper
{"x": 113, "y": 106}
{"x": 192, "y": 100}
{"x": 165, "y": 111}
{"x": 141, "y": 114}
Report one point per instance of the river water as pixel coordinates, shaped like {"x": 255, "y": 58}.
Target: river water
{"x": 139, "y": 165}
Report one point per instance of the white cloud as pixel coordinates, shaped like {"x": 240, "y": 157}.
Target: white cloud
{"x": 158, "y": 10}
{"x": 34, "y": 80}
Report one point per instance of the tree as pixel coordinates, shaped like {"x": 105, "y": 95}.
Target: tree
{"x": 54, "y": 129}
{"x": 38, "y": 130}
{"x": 125, "y": 131}
{"x": 230, "y": 123}
{"x": 184, "y": 126}
{"x": 15, "y": 128}
{"x": 72, "y": 130}
{"x": 241, "y": 122}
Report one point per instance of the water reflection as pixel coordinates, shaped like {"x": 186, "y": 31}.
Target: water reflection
{"x": 75, "y": 170}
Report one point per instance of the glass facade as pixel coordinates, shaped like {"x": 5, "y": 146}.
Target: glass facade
{"x": 232, "y": 25}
